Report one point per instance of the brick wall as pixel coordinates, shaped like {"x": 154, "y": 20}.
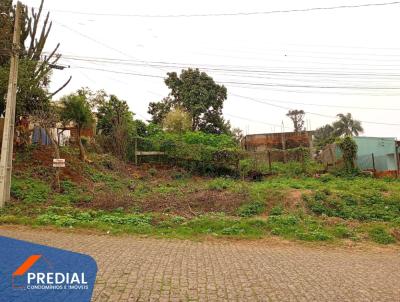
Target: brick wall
{"x": 288, "y": 140}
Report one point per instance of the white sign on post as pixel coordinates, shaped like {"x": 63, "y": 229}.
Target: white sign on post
{"x": 59, "y": 163}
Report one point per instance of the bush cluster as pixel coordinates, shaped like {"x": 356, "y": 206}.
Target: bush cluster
{"x": 197, "y": 151}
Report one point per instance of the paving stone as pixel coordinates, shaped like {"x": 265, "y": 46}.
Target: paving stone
{"x": 142, "y": 269}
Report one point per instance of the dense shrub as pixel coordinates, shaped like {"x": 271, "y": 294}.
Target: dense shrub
{"x": 196, "y": 151}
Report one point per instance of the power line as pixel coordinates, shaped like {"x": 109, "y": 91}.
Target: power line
{"x": 230, "y": 82}
{"x": 255, "y": 100}
{"x": 260, "y": 84}
{"x": 244, "y": 97}
{"x": 301, "y": 61}
{"x": 226, "y": 68}
{"x": 312, "y": 113}
{"x": 235, "y": 85}
{"x": 297, "y": 91}
{"x": 330, "y": 106}
{"x": 97, "y": 41}
{"x": 310, "y": 86}
{"x": 282, "y": 11}
{"x": 313, "y": 51}
{"x": 289, "y": 61}
{"x": 252, "y": 120}
{"x": 121, "y": 72}
{"x": 243, "y": 118}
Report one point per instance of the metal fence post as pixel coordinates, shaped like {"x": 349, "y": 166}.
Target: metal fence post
{"x": 373, "y": 162}
{"x": 269, "y": 161}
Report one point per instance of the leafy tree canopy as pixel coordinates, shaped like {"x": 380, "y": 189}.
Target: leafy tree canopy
{"x": 76, "y": 108}
{"x": 141, "y": 128}
{"x": 114, "y": 113}
{"x": 324, "y": 135}
{"x": 177, "y": 121}
{"x": 198, "y": 94}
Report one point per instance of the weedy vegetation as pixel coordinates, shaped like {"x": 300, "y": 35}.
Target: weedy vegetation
{"x": 159, "y": 200}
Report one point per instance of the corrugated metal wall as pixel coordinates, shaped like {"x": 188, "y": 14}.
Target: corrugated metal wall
{"x": 383, "y": 149}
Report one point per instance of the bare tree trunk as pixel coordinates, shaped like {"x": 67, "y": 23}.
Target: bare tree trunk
{"x": 82, "y": 153}
{"x": 57, "y": 156}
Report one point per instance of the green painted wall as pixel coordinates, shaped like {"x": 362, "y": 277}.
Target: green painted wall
{"x": 383, "y": 148}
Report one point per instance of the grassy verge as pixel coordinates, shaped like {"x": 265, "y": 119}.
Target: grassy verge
{"x": 288, "y": 226}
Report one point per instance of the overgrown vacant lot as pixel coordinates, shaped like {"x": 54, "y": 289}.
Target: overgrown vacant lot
{"x": 111, "y": 196}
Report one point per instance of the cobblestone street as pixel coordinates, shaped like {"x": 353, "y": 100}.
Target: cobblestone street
{"x": 142, "y": 269}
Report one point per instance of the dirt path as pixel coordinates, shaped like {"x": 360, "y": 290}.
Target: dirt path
{"x": 141, "y": 269}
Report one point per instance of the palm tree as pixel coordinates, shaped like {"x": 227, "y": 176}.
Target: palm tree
{"x": 347, "y": 126}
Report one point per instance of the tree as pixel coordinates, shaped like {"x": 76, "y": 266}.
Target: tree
{"x": 94, "y": 98}
{"x": 34, "y": 68}
{"x": 76, "y": 109}
{"x": 197, "y": 94}
{"x": 115, "y": 123}
{"x": 159, "y": 110}
{"x": 347, "y": 126}
{"x": 324, "y": 135}
{"x": 297, "y": 117}
{"x": 177, "y": 121}
{"x": 349, "y": 149}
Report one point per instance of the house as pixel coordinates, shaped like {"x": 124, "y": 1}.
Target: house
{"x": 62, "y": 134}
{"x": 378, "y": 154}
{"x": 27, "y": 132}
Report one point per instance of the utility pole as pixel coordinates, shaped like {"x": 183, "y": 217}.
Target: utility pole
{"x": 9, "y": 121}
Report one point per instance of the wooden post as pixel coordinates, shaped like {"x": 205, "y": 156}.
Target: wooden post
{"x": 373, "y": 162}
{"x": 283, "y": 146}
{"x": 9, "y": 120}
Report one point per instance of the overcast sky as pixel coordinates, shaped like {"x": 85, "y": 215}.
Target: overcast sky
{"x": 288, "y": 57}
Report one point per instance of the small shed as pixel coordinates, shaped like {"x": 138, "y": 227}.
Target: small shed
{"x": 380, "y": 154}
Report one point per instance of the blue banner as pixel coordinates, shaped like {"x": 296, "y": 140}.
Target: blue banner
{"x": 32, "y": 272}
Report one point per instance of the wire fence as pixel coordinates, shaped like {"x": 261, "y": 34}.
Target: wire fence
{"x": 199, "y": 158}
{"x": 299, "y": 154}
